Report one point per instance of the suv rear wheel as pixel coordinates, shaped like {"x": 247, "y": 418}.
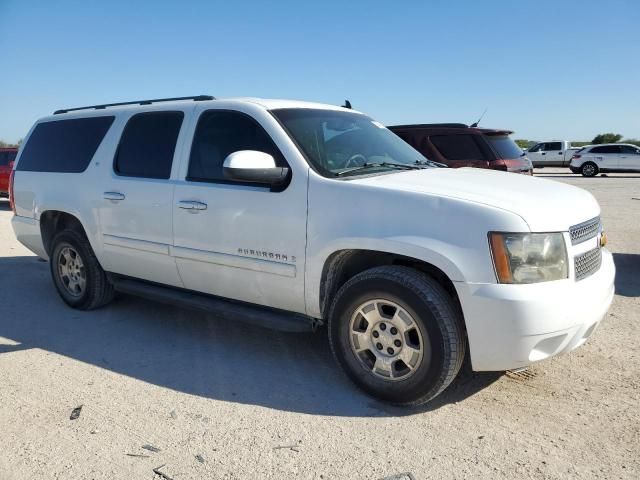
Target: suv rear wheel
{"x": 76, "y": 272}
{"x": 589, "y": 169}
{"x": 397, "y": 334}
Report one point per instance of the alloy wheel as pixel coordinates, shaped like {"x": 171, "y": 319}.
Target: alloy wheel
{"x": 386, "y": 340}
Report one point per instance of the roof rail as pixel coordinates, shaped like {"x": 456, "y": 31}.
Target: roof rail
{"x": 196, "y": 98}
{"x": 429, "y": 125}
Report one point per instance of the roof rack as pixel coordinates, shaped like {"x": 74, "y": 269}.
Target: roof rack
{"x": 196, "y": 98}
{"x": 429, "y": 125}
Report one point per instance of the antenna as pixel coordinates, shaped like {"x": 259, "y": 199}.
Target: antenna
{"x": 473, "y": 125}
{"x": 347, "y": 104}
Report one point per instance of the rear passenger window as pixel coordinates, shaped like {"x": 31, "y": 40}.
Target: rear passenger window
{"x": 220, "y": 133}
{"x": 65, "y": 146}
{"x": 148, "y": 144}
{"x": 4, "y": 159}
{"x": 457, "y": 147}
{"x": 552, "y": 146}
{"x": 606, "y": 149}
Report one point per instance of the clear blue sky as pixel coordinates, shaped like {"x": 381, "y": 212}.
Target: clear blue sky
{"x": 546, "y": 69}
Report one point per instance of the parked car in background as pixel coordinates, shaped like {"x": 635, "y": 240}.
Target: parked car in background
{"x": 611, "y": 157}
{"x": 556, "y": 153}
{"x": 7, "y": 157}
{"x": 458, "y": 145}
{"x": 292, "y": 214}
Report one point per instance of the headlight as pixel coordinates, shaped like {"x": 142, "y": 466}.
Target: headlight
{"x": 529, "y": 257}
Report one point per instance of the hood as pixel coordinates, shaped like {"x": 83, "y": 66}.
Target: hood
{"x": 545, "y": 205}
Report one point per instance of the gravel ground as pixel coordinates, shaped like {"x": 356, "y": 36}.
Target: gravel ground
{"x": 229, "y": 401}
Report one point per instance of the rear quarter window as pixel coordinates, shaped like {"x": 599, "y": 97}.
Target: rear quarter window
{"x": 64, "y": 146}
{"x": 505, "y": 147}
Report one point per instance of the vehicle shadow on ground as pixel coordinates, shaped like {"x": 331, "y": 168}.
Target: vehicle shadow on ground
{"x": 192, "y": 352}
{"x": 627, "y": 274}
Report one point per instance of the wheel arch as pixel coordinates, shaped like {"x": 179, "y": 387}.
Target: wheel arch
{"x": 342, "y": 265}
{"x": 54, "y": 221}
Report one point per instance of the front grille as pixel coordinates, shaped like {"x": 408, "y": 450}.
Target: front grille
{"x": 587, "y": 263}
{"x": 584, "y": 231}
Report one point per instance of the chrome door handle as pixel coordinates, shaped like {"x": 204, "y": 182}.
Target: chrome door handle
{"x": 116, "y": 196}
{"x": 191, "y": 205}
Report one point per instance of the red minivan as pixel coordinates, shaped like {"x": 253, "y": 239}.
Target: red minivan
{"x": 459, "y": 145}
{"x": 7, "y": 157}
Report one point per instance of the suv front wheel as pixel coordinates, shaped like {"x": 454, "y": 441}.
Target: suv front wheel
{"x": 397, "y": 334}
{"x": 76, "y": 272}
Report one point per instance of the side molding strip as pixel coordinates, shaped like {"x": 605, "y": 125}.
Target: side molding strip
{"x": 134, "y": 244}
{"x": 236, "y": 261}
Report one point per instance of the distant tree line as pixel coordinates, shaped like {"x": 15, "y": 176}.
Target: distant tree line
{"x": 601, "y": 138}
{"x": 5, "y": 144}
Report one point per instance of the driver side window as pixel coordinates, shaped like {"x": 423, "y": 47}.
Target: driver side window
{"x": 220, "y": 133}
{"x": 537, "y": 148}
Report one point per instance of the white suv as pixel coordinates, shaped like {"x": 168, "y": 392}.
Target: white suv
{"x": 293, "y": 215}
{"x": 610, "y": 157}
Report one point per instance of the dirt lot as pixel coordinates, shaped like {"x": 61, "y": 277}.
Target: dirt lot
{"x": 229, "y": 401}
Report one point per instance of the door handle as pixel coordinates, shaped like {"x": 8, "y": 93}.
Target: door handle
{"x": 192, "y": 205}
{"x": 115, "y": 196}
{"x": 544, "y": 153}
{"x": 559, "y": 153}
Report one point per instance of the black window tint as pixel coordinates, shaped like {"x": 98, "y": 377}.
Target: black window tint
{"x": 457, "y": 147}
{"x": 606, "y": 149}
{"x": 65, "y": 146}
{"x": 4, "y": 159}
{"x": 221, "y": 133}
{"x": 147, "y": 145}
{"x": 552, "y": 146}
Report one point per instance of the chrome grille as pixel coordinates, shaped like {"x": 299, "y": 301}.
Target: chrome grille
{"x": 587, "y": 263}
{"x": 584, "y": 231}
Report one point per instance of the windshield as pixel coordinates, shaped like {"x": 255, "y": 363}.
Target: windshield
{"x": 505, "y": 147}
{"x": 338, "y": 142}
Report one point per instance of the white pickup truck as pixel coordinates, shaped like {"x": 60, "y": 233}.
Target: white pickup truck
{"x": 294, "y": 215}
{"x": 556, "y": 153}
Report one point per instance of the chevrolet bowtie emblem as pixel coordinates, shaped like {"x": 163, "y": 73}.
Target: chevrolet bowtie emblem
{"x": 603, "y": 239}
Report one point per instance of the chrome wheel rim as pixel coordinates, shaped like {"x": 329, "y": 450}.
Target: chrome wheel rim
{"x": 386, "y": 340}
{"x": 589, "y": 170}
{"x": 71, "y": 271}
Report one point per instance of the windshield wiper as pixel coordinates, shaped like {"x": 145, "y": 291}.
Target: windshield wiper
{"x": 431, "y": 163}
{"x": 366, "y": 166}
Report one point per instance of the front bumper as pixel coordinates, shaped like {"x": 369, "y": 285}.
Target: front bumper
{"x": 513, "y": 326}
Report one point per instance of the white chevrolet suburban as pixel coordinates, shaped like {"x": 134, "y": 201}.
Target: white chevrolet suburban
{"x": 292, "y": 215}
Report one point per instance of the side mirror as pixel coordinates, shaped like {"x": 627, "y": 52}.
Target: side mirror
{"x": 254, "y": 167}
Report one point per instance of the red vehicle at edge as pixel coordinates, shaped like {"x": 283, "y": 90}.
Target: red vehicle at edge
{"x": 7, "y": 157}
{"x": 458, "y": 145}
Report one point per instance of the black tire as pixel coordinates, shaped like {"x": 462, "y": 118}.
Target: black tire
{"x": 98, "y": 290}
{"x": 589, "y": 169}
{"x": 436, "y": 315}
